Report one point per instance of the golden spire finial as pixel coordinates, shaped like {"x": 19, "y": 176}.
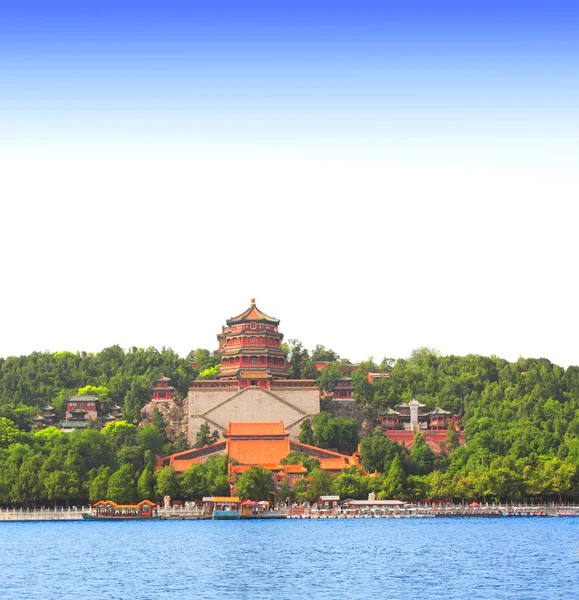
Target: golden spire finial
{"x": 252, "y": 301}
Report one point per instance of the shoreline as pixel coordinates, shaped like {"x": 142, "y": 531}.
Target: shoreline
{"x": 174, "y": 514}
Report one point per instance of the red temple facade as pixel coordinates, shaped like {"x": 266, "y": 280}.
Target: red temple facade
{"x": 45, "y": 419}
{"x": 162, "y": 392}
{"x": 250, "y": 349}
{"x": 410, "y": 418}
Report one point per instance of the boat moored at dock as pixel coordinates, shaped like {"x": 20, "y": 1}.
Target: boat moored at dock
{"x": 107, "y": 510}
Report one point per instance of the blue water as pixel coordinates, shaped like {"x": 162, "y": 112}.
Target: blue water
{"x": 492, "y": 558}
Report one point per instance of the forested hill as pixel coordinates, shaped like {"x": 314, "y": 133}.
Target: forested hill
{"x": 529, "y": 406}
{"x": 524, "y": 408}
{"x": 521, "y": 421}
{"x": 29, "y": 382}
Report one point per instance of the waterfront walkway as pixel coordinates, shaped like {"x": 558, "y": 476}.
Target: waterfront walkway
{"x": 298, "y": 512}
{"x": 72, "y": 513}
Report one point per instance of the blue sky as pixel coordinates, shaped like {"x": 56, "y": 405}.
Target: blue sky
{"x": 425, "y": 152}
{"x": 371, "y": 72}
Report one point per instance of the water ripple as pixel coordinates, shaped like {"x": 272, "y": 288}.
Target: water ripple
{"x": 454, "y": 559}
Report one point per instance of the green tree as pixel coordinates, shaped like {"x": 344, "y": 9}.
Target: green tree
{"x": 203, "y": 437}
{"x": 166, "y": 483}
{"x": 99, "y": 486}
{"x": 56, "y": 486}
{"x": 295, "y": 458}
{"x": 194, "y": 484}
{"x": 395, "y": 481}
{"x": 321, "y": 354}
{"x": 101, "y": 392}
{"x": 146, "y": 484}
{"x": 306, "y": 435}
{"x": 210, "y": 373}
{"x": 119, "y": 434}
{"x": 351, "y": 484}
{"x": 285, "y": 492}
{"x": 121, "y": 487}
{"x": 321, "y": 484}
{"x": 205, "y": 359}
{"x": 377, "y": 453}
{"x": 336, "y": 433}
{"x": 137, "y": 396}
{"x": 328, "y": 377}
{"x": 150, "y": 438}
{"x": 301, "y": 488}
{"x": 158, "y": 421}
{"x": 255, "y": 484}
{"x": 451, "y": 442}
{"x": 9, "y": 433}
{"x": 421, "y": 455}
{"x": 216, "y": 475}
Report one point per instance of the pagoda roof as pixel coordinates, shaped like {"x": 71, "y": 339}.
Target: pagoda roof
{"x": 439, "y": 411}
{"x": 39, "y": 418}
{"x": 252, "y": 314}
{"x": 47, "y": 407}
{"x": 78, "y": 411}
{"x": 115, "y": 407}
{"x": 389, "y": 411}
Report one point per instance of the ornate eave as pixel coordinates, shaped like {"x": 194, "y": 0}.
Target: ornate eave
{"x": 252, "y": 314}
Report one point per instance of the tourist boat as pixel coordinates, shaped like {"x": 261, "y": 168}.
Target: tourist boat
{"x": 225, "y": 508}
{"x": 107, "y": 510}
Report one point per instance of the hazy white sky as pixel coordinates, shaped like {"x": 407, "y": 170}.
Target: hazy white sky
{"x": 376, "y": 194}
{"x": 368, "y": 258}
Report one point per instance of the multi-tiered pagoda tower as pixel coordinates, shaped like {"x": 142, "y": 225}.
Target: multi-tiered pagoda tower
{"x": 250, "y": 348}
{"x": 253, "y": 383}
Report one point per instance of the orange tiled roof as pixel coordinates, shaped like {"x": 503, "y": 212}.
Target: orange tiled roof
{"x": 256, "y": 429}
{"x": 294, "y": 468}
{"x": 252, "y": 314}
{"x": 182, "y": 465}
{"x": 258, "y": 452}
{"x": 272, "y": 466}
{"x": 333, "y": 464}
{"x": 236, "y": 469}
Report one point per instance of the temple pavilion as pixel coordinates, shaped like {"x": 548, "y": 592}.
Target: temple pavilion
{"x": 250, "y": 349}
{"x": 253, "y": 383}
{"x": 406, "y": 419}
{"x": 263, "y": 444}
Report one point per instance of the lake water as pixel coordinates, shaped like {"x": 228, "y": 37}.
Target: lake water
{"x": 470, "y": 558}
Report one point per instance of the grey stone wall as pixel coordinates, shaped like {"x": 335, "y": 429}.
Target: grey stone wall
{"x": 217, "y": 407}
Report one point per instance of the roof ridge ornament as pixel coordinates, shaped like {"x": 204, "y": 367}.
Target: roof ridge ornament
{"x": 252, "y": 302}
